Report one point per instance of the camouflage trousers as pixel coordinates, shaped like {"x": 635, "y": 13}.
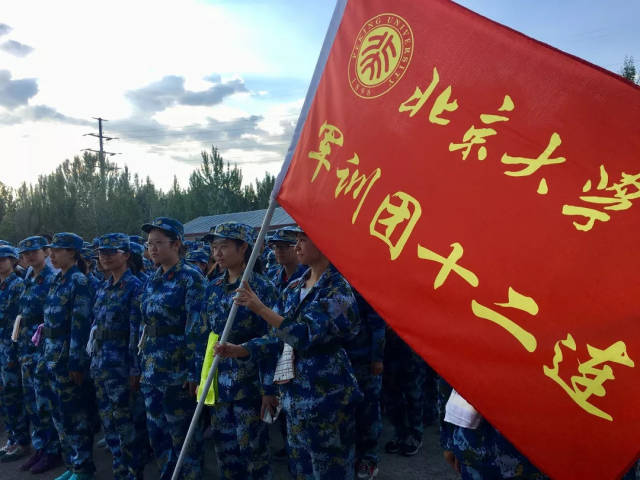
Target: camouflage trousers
{"x": 38, "y": 403}
{"x": 322, "y": 445}
{"x": 485, "y": 453}
{"x": 241, "y": 439}
{"x": 404, "y": 379}
{"x": 73, "y": 421}
{"x": 169, "y": 410}
{"x": 368, "y": 414}
{"x": 13, "y": 404}
{"x": 118, "y": 408}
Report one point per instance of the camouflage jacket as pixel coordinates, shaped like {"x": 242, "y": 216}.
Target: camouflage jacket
{"x": 277, "y": 275}
{"x": 368, "y": 345}
{"x": 67, "y": 311}
{"x": 172, "y": 301}
{"x": 10, "y": 290}
{"x": 316, "y": 327}
{"x": 36, "y": 288}
{"x": 240, "y": 379}
{"x": 116, "y": 316}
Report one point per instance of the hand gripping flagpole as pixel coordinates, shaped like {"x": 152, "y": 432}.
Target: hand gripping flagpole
{"x": 266, "y": 222}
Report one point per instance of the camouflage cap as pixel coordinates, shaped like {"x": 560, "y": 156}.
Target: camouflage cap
{"x": 88, "y": 254}
{"x": 32, "y": 243}
{"x": 66, "y": 240}
{"x": 233, "y": 230}
{"x": 167, "y": 224}
{"x": 137, "y": 239}
{"x": 191, "y": 245}
{"x": 198, "y": 255}
{"x": 285, "y": 235}
{"x": 7, "y": 251}
{"x": 114, "y": 241}
{"x": 136, "y": 248}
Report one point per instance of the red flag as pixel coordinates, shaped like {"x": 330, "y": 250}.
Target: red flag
{"x": 481, "y": 190}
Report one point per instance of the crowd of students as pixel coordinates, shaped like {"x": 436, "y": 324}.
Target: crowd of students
{"x": 112, "y": 335}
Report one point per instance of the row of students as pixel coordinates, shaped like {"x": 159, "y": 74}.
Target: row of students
{"x": 139, "y": 347}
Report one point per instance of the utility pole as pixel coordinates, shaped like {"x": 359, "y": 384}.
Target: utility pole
{"x": 101, "y": 138}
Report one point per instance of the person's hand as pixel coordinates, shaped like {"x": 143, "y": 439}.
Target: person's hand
{"x": 246, "y": 297}
{"x": 76, "y": 377}
{"x": 192, "y": 388}
{"x": 451, "y": 459}
{"x": 134, "y": 382}
{"x": 377, "y": 368}
{"x": 230, "y": 350}
{"x": 269, "y": 402}
{"x": 11, "y": 365}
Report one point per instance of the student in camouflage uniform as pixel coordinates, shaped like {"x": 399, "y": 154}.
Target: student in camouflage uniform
{"x": 136, "y": 263}
{"x": 481, "y": 453}
{"x": 11, "y": 287}
{"x": 173, "y": 328}
{"x": 239, "y": 434}
{"x": 404, "y": 378}
{"x": 199, "y": 259}
{"x": 316, "y": 315}
{"x": 67, "y": 321}
{"x": 38, "y": 397}
{"x": 366, "y": 352}
{"x": 114, "y": 362}
{"x": 287, "y": 267}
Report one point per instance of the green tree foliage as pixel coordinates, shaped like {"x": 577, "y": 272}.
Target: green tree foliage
{"x": 629, "y": 70}
{"x": 90, "y": 196}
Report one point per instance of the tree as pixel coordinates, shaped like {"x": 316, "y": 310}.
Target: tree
{"x": 628, "y": 70}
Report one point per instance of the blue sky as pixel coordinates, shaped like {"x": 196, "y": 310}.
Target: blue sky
{"x": 175, "y": 77}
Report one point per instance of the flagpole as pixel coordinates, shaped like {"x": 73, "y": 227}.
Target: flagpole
{"x": 246, "y": 276}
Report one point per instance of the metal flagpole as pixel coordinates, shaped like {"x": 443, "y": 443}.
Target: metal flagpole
{"x": 266, "y": 222}
{"x": 225, "y": 334}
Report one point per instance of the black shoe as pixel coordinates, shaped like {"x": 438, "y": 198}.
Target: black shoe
{"x": 392, "y": 446}
{"x": 410, "y": 447}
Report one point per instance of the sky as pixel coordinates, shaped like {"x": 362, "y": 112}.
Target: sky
{"x": 174, "y": 78}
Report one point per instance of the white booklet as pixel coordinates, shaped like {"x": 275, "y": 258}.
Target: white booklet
{"x": 459, "y": 412}
{"x": 284, "y": 369}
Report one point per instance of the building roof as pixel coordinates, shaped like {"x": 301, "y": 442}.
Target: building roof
{"x": 201, "y": 225}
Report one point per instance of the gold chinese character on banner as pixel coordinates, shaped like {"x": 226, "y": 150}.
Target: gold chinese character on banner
{"x": 330, "y": 134}
{"x": 357, "y": 180}
{"x": 394, "y": 221}
{"x": 449, "y": 265}
{"x": 592, "y": 373}
{"x": 442, "y": 104}
{"x": 519, "y": 302}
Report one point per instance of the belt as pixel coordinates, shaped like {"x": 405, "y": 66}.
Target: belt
{"x": 163, "y": 331}
{"x": 55, "y": 332}
{"x": 323, "y": 349}
{"x": 101, "y": 335}
{"x": 30, "y": 321}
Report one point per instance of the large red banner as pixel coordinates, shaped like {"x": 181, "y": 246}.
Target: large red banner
{"x": 480, "y": 188}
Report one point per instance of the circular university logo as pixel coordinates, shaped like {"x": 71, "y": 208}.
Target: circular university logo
{"x": 380, "y": 56}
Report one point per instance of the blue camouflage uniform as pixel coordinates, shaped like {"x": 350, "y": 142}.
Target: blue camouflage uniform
{"x": 366, "y": 348}
{"x": 37, "y": 394}
{"x": 403, "y": 392}
{"x": 113, "y": 360}
{"x": 320, "y": 400}
{"x": 483, "y": 452}
{"x": 11, "y": 394}
{"x": 67, "y": 321}
{"x": 138, "y": 250}
{"x": 276, "y": 272}
{"x": 240, "y": 436}
{"x": 196, "y": 257}
{"x": 172, "y": 329}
